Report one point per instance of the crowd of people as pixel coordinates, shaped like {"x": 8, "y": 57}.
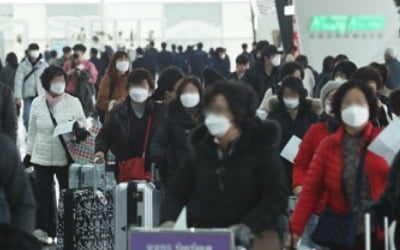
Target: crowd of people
{"x": 214, "y": 135}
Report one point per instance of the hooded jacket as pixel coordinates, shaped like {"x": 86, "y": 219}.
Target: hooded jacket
{"x": 247, "y": 187}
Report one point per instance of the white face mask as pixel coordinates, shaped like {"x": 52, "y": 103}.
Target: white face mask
{"x": 139, "y": 95}
{"x": 355, "y": 115}
{"x": 190, "y": 100}
{"x": 34, "y": 54}
{"x": 122, "y": 66}
{"x": 340, "y": 80}
{"x": 276, "y": 61}
{"x": 57, "y": 88}
{"x": 217, "y": 125}
{"x": 291, "y": 103}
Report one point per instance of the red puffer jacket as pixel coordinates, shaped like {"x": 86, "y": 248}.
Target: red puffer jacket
{"x": 309, "y": 145}
{"x": 325, "y": 176}
{"x": 302, "y": 162}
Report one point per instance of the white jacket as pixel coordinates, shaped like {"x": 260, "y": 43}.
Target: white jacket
{"x": 32, "y": 86}
{"x": 44, "y": 148}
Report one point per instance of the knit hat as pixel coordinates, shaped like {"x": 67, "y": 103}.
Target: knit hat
{"x": 328, "y": 88}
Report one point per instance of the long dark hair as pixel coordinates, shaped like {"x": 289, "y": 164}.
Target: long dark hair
{"x": 12, "y": 60}
{"x": 177, "y": 104}
{"x": 295, "y": 84}
{"x": 112, "y": 70}
{"x": 167, "y": 81}
{"x": 240, "y": 97}
{"x": 346, "y": 87}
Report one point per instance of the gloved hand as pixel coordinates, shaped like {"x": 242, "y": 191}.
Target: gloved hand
{"x": 80, "y": 133}
{"x": 377, "y": 211}
{"x": 27, "y": 161}
{"x": 244, "y": 237}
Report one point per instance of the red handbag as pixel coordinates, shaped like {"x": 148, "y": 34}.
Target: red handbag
{"x": 134, "y": 168}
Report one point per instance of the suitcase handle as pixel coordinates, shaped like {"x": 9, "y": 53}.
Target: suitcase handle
{"x": 97, "y": 163}
{"x": 367, "y": 220}
{"x": 155, "y": 175}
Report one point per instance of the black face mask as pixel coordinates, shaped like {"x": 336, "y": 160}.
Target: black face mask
{"x": 75, "y": 56}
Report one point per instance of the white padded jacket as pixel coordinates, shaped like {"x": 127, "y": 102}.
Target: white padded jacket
{"x": 44, "y": 148}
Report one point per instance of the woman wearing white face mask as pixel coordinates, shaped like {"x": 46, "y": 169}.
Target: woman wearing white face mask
{"x": 169, "y": 146}
{"x": 343, "y": 71}
{"x": 294, "y": 113}
{"x": 288, "y": 69}
{"x": 232, "y": 176}
{"x": 112, "y": 90}
{"x": 131, "y": 125}
{"x": 343, "y": 168}
{"x": 44, "y": 151}
{"x": 326, "y": 126}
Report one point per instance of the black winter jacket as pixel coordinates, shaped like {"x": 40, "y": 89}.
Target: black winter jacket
{"x": 307, "y": 116}
{"x": 16, "y": 187}
{"x": 8, "y": 113}
{"x": 7, "y": 76}
{"x": 261, "y": 81}
{"x": 389, "y": 203}
{"x": 170, "y": 142}
{"x": 247, "y": 187}
{"x": 116, "y": 134}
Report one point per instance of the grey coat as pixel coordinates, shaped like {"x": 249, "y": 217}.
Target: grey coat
{"x": 32, "y": 87}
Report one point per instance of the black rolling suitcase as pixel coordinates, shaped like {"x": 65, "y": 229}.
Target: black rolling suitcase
{"x": 85, "y": 220}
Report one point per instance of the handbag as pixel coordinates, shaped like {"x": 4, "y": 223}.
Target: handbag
{"x": 63, "y": 143}
{"x": 134, "y": 168}
{"x": 84, "y": 152}
{"x": 340, "y": 231}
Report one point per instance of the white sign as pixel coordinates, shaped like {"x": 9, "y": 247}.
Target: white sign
{"x": 291, "y": 149}
{"x": 387, "y": 144}
{"x": 181, "y": 222}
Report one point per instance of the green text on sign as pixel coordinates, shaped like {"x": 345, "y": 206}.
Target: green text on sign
{"x": 342, "y": 24}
